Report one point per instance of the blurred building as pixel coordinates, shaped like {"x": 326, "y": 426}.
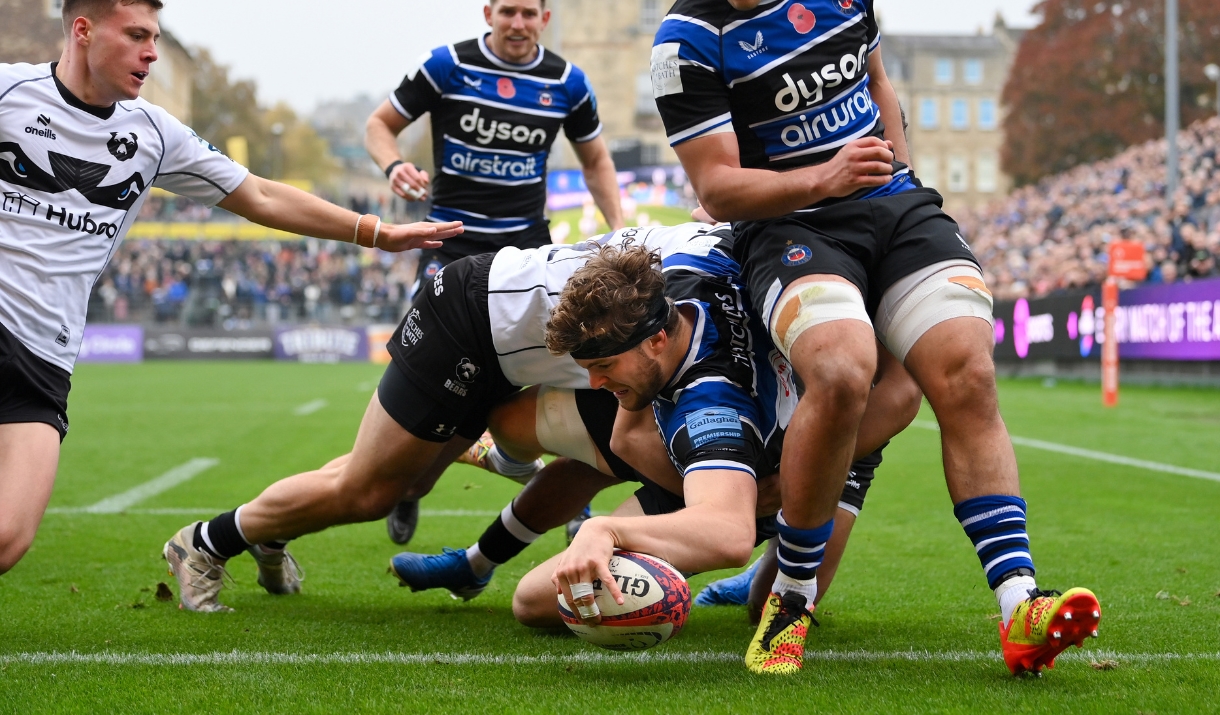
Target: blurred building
{"x": 34, "y": 33}
{"x": 950, "y": 87}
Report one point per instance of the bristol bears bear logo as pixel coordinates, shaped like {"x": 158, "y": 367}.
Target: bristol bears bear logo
{"x": 467, "y": 371}
{"x": 122, "y": 148}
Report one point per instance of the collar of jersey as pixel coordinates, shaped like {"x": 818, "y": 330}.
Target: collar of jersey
{"x": 502, "y": 64}
{"x": 696, "y": 341}
{"x": 75, "y": 102}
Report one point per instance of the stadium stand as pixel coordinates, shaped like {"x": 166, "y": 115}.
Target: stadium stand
{"x": 1053, "y": 236}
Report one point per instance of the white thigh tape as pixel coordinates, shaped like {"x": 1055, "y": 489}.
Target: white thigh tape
{"x": 812, "y": 304}
{"x": 559, "y": 426}
{"x": 944, "y": 291}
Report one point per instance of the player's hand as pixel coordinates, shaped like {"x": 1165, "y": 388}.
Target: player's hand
{"x": 861, "y": 164}
{"x": 405, "y": 236}
{"x": 409, "y": 182}
{"x": 587, "y": 560}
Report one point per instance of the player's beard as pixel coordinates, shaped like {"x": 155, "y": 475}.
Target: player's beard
{"x": 647, "y": 387}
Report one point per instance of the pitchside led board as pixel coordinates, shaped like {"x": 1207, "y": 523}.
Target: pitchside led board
{"x": 1165, "y": 322}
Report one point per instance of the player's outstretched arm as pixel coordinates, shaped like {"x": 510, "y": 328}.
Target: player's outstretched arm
{"x": 729, "y": 192}
{"x": 286, "y": 208}
{"x": 598, "y": 168}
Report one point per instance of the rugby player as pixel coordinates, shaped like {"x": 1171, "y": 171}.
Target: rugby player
{"x": 79, "y": 153}
{"x": 498, "y": 103}
{"x": 782, "y": 115}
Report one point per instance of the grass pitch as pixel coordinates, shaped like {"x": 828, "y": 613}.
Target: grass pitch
{"x": 909, "y": 625}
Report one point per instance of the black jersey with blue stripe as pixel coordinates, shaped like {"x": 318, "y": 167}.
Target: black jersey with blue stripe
{"x": 789, "y": 78}
{"x": 719, "y": 409}
{"x": 493, "y": 125}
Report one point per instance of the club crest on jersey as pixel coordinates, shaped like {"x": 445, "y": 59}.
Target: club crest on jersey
{"x": 467, "y": 371}
{"x": 797, "y": 255}
{"x": 847, "y": 6}
{"x": 122, "y": 148}
{"x": 505, "y": 88}
{"x": 802, "y": 18}
{"x": 546, "y": 99}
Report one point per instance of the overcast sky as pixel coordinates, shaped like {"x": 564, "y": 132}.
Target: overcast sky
{"x": 307, "y": 51}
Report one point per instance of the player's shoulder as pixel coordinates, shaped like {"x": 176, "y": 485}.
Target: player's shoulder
{"x": 16, "y": 73}
{"x": 712, "y": 12}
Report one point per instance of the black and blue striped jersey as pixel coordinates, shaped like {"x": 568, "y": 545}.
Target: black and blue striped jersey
{"x": 493, "y": 125}
{"x": 724, "y": 407}
{"x": 790, "y": 79}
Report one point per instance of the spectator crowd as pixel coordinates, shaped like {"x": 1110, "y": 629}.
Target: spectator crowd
{"x": 1054, "y": 235}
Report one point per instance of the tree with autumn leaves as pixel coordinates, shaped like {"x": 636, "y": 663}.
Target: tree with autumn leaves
{"x": 1088, "y": 81}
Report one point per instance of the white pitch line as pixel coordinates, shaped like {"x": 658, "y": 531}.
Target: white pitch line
{"x": 309, "y": 408}
{"x": 217, "y": 510}
{"x": 1091, "y": 454}
{"x": 245, "y": 658}
{"x": 165, "y": 482}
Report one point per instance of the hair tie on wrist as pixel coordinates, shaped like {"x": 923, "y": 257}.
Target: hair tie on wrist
{"x": 393, "y": 165}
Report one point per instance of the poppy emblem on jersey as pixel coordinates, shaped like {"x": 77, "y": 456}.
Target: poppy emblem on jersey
{"x": 802, "y": 18}
{"x": 467, "y": 371}
{"x": 797, "y": 255}
{"x": 122, "y": 148}
{"x": 546, "y": 99}
{"x": 505, "y": 88}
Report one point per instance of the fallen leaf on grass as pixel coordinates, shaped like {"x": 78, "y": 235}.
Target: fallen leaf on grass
{"x": 1184, "y": 601}
{"x": 995, "y": 616}
{"x": 74, "y": 589}
{"x": 163, "y": 592}
{"x": 1182, "y": 570}
{"x": 1162, "y": 595}
{"x": 1104, "y": 665}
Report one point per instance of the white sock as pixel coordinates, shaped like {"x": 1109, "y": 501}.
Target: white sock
{"x": 505, "y": 465}
{"x": 1011, "y": 593}
{"x": 480, "y": 564}
{"x": 786, "y": 584}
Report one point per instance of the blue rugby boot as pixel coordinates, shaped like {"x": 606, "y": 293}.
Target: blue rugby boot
{"x": 449, "y": 570}
{"x": 731, "y": 591}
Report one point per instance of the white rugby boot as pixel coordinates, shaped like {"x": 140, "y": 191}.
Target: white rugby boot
{"x": 200, "y": 575}
{"x": 278, "y": 572}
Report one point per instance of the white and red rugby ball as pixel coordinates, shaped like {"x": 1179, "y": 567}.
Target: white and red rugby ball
{"x": 656, "y": 602}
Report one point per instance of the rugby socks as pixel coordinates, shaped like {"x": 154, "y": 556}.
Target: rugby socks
{"x": 221, "y": 537}
{"x": 800, "y": 554}
{"x": 996, "y": 527}
{"x": 505, "y": 465}
{"x": 504, "y": 539}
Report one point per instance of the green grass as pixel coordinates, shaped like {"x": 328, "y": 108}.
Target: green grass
{"x": 909, "y": 581}
{"x": 666, "y": 215}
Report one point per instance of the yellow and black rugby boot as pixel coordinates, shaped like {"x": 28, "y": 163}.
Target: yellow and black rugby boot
{"x": 1045, "y": 625}
{"x": 778, "y": 647}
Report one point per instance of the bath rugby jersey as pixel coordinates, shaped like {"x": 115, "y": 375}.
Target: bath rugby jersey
{"x": 493, "y": 124}
{"x": 789, "y": 78}
{"x": 73, "y": 178}
{"x": 723, "y": 406}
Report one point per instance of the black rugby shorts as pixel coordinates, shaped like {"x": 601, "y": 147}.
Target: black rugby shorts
{"x": 31, "y": 389}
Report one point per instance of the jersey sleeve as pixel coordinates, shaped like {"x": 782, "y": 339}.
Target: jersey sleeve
{"x": 192, "y": 167}
{"x": 686, "y": 80}
{"x": 421, "y": 90}
{"x": 874, "y": 29}
{"x": 714, "y": 426}
{"x": 583, "y": 124}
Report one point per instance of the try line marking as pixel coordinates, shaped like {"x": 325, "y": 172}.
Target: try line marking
{"x": 1091, "y": 454}
{"x": 246, "y": 658}
{"x": 309, "y": 408}
{"x": 122, "y": 502}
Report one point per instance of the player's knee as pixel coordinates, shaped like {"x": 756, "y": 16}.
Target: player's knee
{"x": 840, "y": 385}
{"x": 529, "y": 610}
{"x": 907, "y": 398}
{"x": 371, "y": 503}
{"x": 14, "y": 543}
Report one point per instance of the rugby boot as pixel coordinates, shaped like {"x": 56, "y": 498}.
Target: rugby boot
{"x": 574, "y": 525}
{"x": 479, "y": 456}
{"x": 401, "y": 522}
{"x": 278, "y": 572}
{"x": 448, "y": 570}
{"x": 778, "y": 647}
{"x": 1045, "y": 625}
{"x": 200, "y": 575}
{"x": 731, "y": 591}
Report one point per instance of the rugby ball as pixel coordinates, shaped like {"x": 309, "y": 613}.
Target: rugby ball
{"x": 656, "y": 602}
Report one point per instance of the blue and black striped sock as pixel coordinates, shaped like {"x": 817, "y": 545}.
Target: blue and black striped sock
{"x": 996, "y": 526}
{"x": 800, "y": 553}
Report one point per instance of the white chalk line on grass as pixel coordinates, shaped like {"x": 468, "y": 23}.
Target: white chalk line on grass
{"x": 122, "y": 502}
{"x": 1094, "y": 455}
{"x": 217, "y": 510}
{"x": 245, "y": 658}
{"x": 309, "y": 408}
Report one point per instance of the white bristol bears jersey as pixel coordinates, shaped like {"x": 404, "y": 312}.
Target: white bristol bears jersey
{"x": 524, "y": 288}
{"x": 73, "y": 178}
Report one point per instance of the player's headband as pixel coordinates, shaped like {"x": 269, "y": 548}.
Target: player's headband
{"x": 653, "y": 323}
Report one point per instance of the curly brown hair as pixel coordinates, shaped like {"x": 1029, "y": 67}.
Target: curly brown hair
{"x": 606, "y": 298}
